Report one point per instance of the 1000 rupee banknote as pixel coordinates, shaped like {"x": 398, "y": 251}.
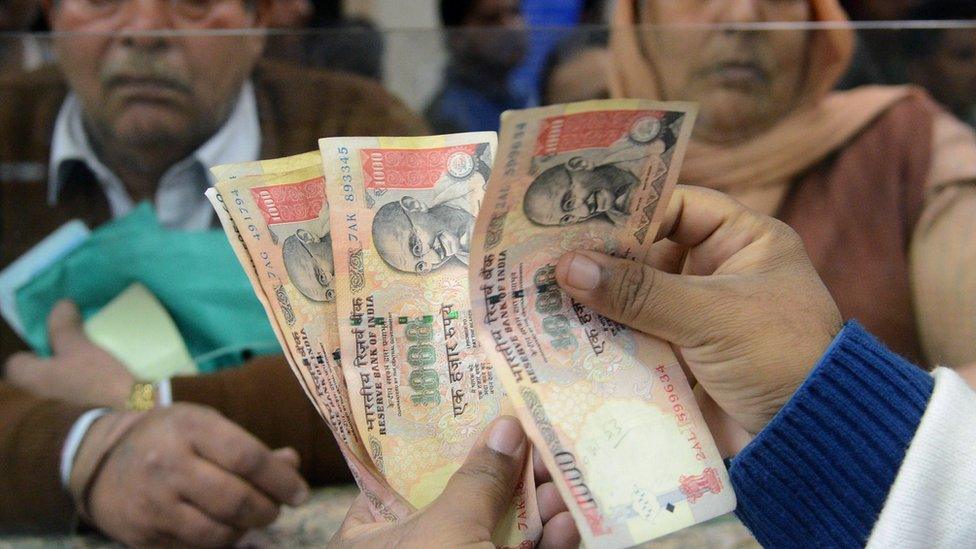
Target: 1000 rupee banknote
{"x": 303, "y": 255}
{"x": 403, "y": 215}
{"x": 279, "y": 222}
{"x": 609, "y": 408}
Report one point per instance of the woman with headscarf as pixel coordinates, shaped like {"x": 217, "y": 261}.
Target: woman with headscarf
{"x": 879, "y": 182}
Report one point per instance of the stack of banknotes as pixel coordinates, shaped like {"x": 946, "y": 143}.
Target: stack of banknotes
{"x": 411, "y": 283}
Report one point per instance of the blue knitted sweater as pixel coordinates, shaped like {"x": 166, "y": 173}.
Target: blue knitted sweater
{"x": 819, "y": 473}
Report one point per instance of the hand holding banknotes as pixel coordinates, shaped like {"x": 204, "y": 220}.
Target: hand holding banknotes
{"x": 749, "y": 316}
{"x": 471, "y": 506}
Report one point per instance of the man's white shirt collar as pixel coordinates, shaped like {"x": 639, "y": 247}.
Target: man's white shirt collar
{"x": 179, "y": 199}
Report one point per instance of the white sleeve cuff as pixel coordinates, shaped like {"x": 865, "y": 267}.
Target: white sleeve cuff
{"x": 929, "y": 502}
{"x": 164, "y": 393}
{"x": 73, "y": 442}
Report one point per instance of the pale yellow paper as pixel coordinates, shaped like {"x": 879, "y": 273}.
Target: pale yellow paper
{"x": 136, "y": 329}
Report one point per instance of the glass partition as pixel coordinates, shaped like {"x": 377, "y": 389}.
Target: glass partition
{"x": 413, "y": 63}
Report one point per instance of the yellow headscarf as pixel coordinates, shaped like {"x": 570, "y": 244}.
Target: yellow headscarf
{"x": 758, "y": 171}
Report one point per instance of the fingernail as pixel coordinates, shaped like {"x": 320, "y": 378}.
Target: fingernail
{"x": 300, "y": 497}
{"x": 583, "y": 273}
{"x": 506, "y": 436}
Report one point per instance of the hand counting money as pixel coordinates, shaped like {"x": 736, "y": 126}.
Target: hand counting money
{"x": 411, "y": 282}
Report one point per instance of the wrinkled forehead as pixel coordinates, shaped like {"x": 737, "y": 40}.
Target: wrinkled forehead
{"x": 605, "y": 176}
{"x": 137, "y": 15}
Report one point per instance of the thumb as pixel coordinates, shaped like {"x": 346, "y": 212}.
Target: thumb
{"x": 668, "y": 306}
{"x": 481, "y": 491}
{"x": 64, "y": 327}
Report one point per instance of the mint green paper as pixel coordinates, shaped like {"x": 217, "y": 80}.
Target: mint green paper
{"x": 194, "y": 275}
{"x": 136, "y": 329}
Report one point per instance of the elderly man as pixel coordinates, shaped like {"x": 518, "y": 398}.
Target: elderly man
{"x": 138, "y": 112}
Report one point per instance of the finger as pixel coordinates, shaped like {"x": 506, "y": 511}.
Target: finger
{"x": 695, "y": 213}
{"x": 191, "y": 527}
{"x": 481, "y": 491}
{"x": 669, "y": 306}
{"x": 230, "y": 447}
{"x": 550, "y": 502}
{"x": 542, "y": 474}
{"x": 560, "y": 533}
{"x": 666, "y": 256}
{"x": 64, "y": 327}
{"x": 288, "y": 455}
{"x": 713, "y": 225}
{"x": 225, "y": 497}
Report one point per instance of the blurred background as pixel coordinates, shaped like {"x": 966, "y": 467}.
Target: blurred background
{"x": 410, "y": 45}
{"x": 141, "y": 96}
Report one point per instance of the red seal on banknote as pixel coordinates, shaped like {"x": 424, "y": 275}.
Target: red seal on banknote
{"x": 694, "y": 487}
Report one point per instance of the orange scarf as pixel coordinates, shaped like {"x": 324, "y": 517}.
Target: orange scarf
{"x": 758, "y": 171}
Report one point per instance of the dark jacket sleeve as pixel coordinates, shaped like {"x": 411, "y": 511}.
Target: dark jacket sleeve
{"x": 265, "y": 398}
{"x": 32, "y": 434}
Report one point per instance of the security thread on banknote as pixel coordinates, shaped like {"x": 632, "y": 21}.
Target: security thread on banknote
{"x": 276, "y": 215}
{"x": 608, "y": 407}
{"x": 422, "y": 391}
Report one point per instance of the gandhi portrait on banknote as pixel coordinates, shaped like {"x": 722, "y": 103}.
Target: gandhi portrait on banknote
{"x": 412, "y": 237}
{"x": 308, "y": 261}
{"x": 577, "y": 191}
{"x": 579, "y": 181}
